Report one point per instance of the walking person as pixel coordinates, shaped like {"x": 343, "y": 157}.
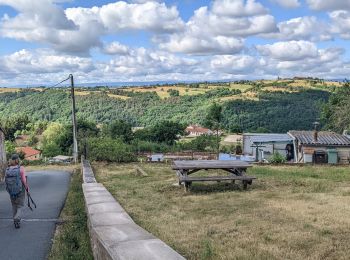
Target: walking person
{"x": 16, "y": 186}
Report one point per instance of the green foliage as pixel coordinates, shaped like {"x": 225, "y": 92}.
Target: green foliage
{"x": 118, "y": 129}
{"x": 173, "y": 92}
{"x": 10, "y": 148}
{"x": 277, "y": 158}
{"x": 201, "y": 143}
{"x": 13, "y": 125}
{"x": 275, "y": 111}
{"x": 110, "y": 150}
{"x": 163, "y": 132}
{"x": 214, "y": 117}
{"x": 146, "y": 146}
{"x": 33, "y": 140}
{"x": 336, "y": 113}
{"x": 51, "y": 149}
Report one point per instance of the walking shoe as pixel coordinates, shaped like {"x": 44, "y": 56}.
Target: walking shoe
{"x": 17, "y": 224}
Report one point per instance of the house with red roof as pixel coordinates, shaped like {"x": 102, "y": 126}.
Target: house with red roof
{"x": 195, "y": 130}
{"x": 30, "y": 153}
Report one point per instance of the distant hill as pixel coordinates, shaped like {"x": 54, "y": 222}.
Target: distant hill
{"x": 264, "y": 105}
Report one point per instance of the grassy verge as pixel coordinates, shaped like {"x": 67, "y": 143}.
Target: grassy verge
{"x": 72, "y": 237}
{"x": 288, "y": 213}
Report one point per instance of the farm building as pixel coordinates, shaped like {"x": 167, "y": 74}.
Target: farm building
{"x": 30, "y": 153}
{"x": 320, "y": 147}
{"x": 262, "y": 146}
{"x": 195, "y": 130}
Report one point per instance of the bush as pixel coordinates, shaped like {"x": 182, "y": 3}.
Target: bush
{"x": 277, "y": 158}
{"x": 110, "y": 150}
{"x": 32, "y": 163}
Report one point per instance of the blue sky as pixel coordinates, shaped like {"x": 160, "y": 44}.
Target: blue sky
{"x": 189, "y": 40}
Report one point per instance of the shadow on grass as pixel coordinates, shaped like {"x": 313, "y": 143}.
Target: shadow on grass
{"x": 201, "y": 188}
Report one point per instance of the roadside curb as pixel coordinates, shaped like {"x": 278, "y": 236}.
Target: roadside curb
{"x": 113, "y": 233}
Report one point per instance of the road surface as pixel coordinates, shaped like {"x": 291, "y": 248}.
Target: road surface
{"x": 33, "y": 240}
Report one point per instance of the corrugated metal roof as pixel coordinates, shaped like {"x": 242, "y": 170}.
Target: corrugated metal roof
{"x": 270, "y": 138}
{"x": 324, "y": 138}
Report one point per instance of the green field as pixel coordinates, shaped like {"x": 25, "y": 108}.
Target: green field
{"x": 290, "y": 212}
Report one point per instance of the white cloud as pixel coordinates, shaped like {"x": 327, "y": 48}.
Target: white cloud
{"x": 233, "y": 64}
{"x": 116, "y": 48}
{"x": 238, "y": 8}
{"x": 289, "y": 51}
{"x": 207, "y": 32}
{"x": 45, "y": 61}
{"x": 341, "y": 23}
{"x": 121, "y": 15}
{"x": 77, "y": 30}
{"x": 287, "y": 3}
{"x": 302, "y": 28}
{"x": 329, "y": 5}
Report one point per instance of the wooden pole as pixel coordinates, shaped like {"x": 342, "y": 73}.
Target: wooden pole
{"x": 3, "y": 161}
{"x": 74, "y": 120}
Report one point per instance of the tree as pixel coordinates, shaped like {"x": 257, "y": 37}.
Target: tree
{"x": 213, "y": 121}
{"x": 118, "y": 129}
{"x": 163, "y": 132}
{"x": 173, "y": 92}
{"x": 167, "y": 132}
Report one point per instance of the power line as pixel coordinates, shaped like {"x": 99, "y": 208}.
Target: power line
{"x": 60, "y": 82}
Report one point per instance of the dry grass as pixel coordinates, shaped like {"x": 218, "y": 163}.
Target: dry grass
{"x": 5, "y": 90}
{"x": 162, "y": 91}
{"x": 288, "y": 213}
{"x": 118, "y": 96}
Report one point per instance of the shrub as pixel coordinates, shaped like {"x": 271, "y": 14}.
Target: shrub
{"x": 277, "y": 158}
{"x": 110, "y": 150}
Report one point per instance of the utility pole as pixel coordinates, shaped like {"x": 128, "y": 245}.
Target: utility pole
{"x": 3, "y": 161}
{"x": 74, "y": 120}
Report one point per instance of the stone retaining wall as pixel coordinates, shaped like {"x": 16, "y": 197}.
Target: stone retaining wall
{"x": 114, "y": 235}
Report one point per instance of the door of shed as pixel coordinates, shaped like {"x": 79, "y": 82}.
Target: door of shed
{"x": 332, "y": 156}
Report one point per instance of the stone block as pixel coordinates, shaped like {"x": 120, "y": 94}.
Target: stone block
{"x": 111, "y": 235}
{"x": 99, "y": 199}
{"x": 109, "y": 219}
{"x": 90, "y": 194}
{"x": 150, "y": 249}
{"x": 103, "y": 207}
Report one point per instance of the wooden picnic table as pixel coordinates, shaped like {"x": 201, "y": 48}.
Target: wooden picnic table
{"x": 236, "y": 170}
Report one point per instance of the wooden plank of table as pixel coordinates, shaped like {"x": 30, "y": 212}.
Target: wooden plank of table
{"x": 217, "y": 178}
{"x": 209, "y": 164}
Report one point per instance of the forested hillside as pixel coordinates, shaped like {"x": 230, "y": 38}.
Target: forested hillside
{"x": 269, "y": 107}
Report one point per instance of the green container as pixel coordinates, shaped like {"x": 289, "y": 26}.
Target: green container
{"x": 332, "y": 156}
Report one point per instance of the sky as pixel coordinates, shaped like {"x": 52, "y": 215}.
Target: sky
{"x": 43, "y": 41}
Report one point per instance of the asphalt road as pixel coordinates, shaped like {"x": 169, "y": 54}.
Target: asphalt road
{"x": 33, "y": 240}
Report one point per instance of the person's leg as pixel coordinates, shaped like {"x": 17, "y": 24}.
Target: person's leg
{"x": 19, "y": 206}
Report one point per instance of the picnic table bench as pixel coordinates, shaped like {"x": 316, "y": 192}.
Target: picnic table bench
{"x": 236, "y": 170}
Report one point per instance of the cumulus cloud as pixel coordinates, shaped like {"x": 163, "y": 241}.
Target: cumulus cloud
{"x": 115, "y": 48}
{"x": 287, "y": 3}
{"x": 341, "y": 23}
{"x": 302, "y": 28}
{"x": 220, "y": 30}
{"x": 232, "y": 64}
{"x": 326, "y": 5}
{"x": 238, "y": 8}
{"x": 45, "y": 61}
{"x": 77, "y": 30}
{"x": 121, "y": 15}
{"x": 289, "y": 51}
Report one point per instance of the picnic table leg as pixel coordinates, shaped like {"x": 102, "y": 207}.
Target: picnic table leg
{"x": 188, "y": 186}
{"x": 245, "y": 184}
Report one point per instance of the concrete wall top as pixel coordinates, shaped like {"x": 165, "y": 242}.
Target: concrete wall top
{"x": 113, "y": 233}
